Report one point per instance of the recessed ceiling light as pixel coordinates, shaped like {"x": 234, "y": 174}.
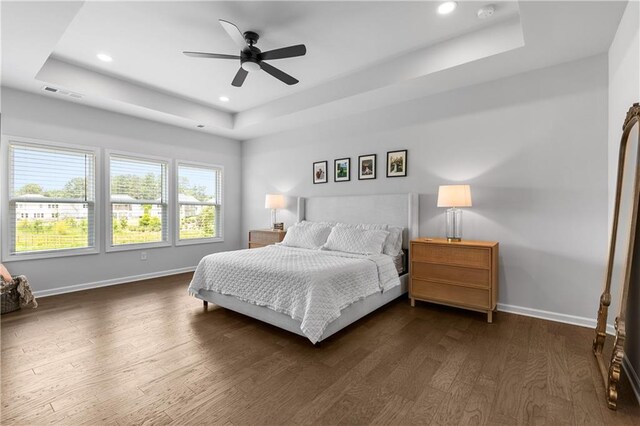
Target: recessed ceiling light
{"x": 224, "y": 98}
{"x": 104, "y": 57}
{"x": 447, "y": 7}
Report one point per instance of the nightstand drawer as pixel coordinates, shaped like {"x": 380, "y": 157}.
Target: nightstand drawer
{"x": 264, "y": 237}
{"x": 447, "y": 293}
{"x": 451, "y": 274}
{"x": 260, "y": 237}
{"x": 452, "y": 255}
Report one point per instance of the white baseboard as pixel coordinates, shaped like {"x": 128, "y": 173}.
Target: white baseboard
{"x": 554, "y": 316}
{"x": 632, "y": 375}
{"x": 114, "y": 281}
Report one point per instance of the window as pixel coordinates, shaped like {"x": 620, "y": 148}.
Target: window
{"x": 199, "y": 203}
{"x": 138, "y": 201}
{"x": 41, "y": 177}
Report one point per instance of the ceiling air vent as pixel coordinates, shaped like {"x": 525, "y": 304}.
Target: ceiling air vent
{"x": 57, "y": 91}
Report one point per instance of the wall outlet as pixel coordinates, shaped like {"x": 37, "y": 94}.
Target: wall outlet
{"x": 143, "y": 255}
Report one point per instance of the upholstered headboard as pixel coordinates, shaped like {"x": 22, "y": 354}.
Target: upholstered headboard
{"x": 392, "y": 209}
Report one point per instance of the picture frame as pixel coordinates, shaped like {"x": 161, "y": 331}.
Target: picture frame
{"x": 320, "y": 172}
{"x": 397, "y": 163}
{"x": 342, "y": 169}
{"x": 367, "y": 166}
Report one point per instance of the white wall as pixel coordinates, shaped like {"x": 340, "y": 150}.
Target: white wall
{"x": 49, "y": 119}
{"x": 533, "y": 147}
{"x": 624, "y": 90}
{"x": 624, "y": 83}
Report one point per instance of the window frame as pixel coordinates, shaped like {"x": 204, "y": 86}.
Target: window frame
{"x": 176, "y": 221}
{"x": 108, "y": 222}
{"x": 7, "y": 232}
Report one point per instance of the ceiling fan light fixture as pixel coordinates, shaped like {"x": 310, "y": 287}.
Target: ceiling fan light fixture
{"x": 447, "y": 7}
{"x": 104, "y": 57}
{"x": 250, "y": 66}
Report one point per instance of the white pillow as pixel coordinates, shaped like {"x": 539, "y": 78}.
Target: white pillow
{"x": 308, "y": 222}
{"x": 368, "y": 226}
{"x": 307, "y": 235}
{"x": 393, "y": 244}
{"x": 355, "y": 240}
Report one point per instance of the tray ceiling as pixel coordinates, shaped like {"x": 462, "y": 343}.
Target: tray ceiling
{"x": 360, "y": 55}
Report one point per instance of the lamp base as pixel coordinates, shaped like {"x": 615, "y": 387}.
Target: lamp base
{"x": 454, "y": 224}
{"x": 454, "y": 240}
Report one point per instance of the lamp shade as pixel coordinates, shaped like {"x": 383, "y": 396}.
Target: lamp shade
{"x": 454, "y": 196}
{"x": 274, "y": 201}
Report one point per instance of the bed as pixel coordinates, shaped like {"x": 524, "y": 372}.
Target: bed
{"x": 273, "y": 276}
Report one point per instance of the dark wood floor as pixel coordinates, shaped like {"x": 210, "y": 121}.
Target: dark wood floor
{"x": 148, "y": 353}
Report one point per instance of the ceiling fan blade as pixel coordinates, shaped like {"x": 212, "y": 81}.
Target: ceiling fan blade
{"x": 285, "y": 52}
{"x": 280, "y": 75}
{"x": 239, "y": 78}
{"x": 210, "y": 55}
{"x": 234, "y": 33}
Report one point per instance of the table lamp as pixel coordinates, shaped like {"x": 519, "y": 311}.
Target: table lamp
{"x": 454, "y": 196}
{"x": 274, "y": 202}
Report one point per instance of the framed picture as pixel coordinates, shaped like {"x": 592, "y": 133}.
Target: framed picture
{"x": 367, "y": 167}
{"x": 342, "y": 170}
{"x": 320, "y": 172}
{"x": 397, "y": 163}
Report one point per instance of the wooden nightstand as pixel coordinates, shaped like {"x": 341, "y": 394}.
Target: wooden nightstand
{"x": 265, "y": 237}
{"x": 462, "y": 274}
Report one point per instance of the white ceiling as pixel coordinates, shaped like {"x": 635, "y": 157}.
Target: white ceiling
{"x": 146, "y": 40}
{"x": 361, "y": 55}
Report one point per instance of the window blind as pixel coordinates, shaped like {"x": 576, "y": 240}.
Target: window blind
{"x": 199, "y": 201}
{"x": 51, "y": 198}
{"x": 138, "y": 196}
{"x": 142, "y": 181}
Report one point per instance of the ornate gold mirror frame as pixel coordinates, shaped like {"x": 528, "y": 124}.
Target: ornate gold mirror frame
{"x": 611, "y": 371}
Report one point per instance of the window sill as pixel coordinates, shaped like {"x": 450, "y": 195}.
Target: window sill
{"x": 48, "y": 254}
{"x": 199, "y": 241}
{"x": 140, "y": 246}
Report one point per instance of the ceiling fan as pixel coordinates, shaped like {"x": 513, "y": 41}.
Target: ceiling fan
{"x": 251, "y": 58}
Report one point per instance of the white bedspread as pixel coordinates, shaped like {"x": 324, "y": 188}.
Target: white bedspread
{"x": 310, "y": 286}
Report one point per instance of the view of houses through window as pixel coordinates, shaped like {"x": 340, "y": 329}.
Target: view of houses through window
{"x": 199, "y": 190}
{"x": 138, "y": 200}
{"x": 139, "y": 196}
{"x": 44, "y": 226}
{"x": 52, "y": 199}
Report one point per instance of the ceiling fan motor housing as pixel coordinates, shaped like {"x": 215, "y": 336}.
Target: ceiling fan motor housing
{"x": 251, "y": 37}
